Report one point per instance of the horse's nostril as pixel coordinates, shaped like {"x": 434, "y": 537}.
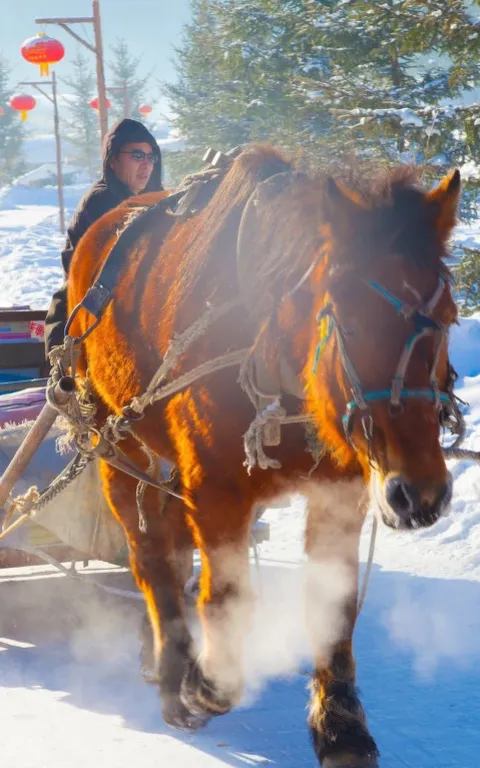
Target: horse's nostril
{"x": 417, "y": 505}
{"x": 402, "y": 497}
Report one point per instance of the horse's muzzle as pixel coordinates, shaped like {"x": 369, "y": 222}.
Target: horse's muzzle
{"x": 413, "y": 506}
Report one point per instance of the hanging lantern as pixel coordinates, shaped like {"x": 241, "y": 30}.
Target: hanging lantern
{"x": 94, "y": 103}
{"x": 2, "y": 111}
{"x": 145, "y": 109}
{"x": 43, "y": 50}
{"x": 23, "y": 103}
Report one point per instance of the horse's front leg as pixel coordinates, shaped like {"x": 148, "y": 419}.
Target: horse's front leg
{"x": 154, "y": 560}
{"x": 337, "y": 721}
{"x": 214, "y": 683}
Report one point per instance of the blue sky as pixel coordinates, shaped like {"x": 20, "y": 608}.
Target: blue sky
{"x": 151, "y": 27}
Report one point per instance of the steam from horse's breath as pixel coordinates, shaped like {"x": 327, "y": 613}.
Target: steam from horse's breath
{"x": 298, "y": 614}
{"x": 435, "y": 626}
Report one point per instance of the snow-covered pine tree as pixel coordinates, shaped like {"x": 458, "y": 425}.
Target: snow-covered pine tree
{"x": 267, "y": 52}
{"x": 329, "y": 76}
{"x": 197, "y": 98}
{"x": 401, "y": 71}
{"x": 238, "y": 66}
{"x": 82, "y": 124}
{"x": 393, "y": 63}
{"x": 12, "y": 131}
{"x": 124, "y": 68}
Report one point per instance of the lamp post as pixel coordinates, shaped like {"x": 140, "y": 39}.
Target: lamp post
{"x": 97, "y": 49}
{"x": 58, "y": 146}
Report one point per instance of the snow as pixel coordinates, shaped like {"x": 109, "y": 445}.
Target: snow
{"x": 30, "y": 243}
{"x": 41, "y": 147}
{"x": 70, "y": 689}
{"x": 47, "y": 173}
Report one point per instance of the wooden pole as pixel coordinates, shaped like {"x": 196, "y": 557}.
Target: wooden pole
{"x": 56, "y": 125}
{"x": 64, "y": 23}
{"x": 102, "y": 96}
{"x": 58, "y": 147}
{"x": 126, "y": 101}
{"x": 62, "y": 393}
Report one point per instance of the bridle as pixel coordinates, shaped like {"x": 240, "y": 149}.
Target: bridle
{"x": 424, "y": 325}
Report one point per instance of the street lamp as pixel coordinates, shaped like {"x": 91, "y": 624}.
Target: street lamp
{"x": 97, "y": 49}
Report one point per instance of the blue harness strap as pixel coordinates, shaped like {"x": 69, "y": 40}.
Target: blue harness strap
{"x": 423, "y": 325}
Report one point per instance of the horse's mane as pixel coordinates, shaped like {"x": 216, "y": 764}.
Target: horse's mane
{"x": 400, "y": 220}
{"x": 396, "y": 220}
{"x": 212, "y": 233}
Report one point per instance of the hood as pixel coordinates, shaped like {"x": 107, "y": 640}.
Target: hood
{"x": 122, "y": 132}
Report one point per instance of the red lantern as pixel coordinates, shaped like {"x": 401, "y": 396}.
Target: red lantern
{"x": 144, "y": 109}
{"x": 94, "y": 103}
{"x": 23, "y": 103}
{"x": 44, "y": 51}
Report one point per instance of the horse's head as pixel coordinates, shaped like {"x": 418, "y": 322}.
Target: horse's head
{"x": 379, "y": 379}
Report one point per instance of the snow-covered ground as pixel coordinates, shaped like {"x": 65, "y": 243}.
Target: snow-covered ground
{"x": 70, "y": 690}
{"x": 30, "y": 243}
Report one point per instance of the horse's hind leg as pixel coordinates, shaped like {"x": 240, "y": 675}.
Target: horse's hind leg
{"x": 337, "y": 721}
{"x": 154, "y": 565}
{"x": 214, "y": 684}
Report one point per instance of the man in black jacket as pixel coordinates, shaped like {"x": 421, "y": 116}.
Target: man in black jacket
{"x": 132, "y": 164}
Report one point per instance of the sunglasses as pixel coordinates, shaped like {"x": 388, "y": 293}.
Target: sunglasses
{"x": 139, "y": 155}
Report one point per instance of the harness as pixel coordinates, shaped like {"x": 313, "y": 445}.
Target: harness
{"x": 424, "y": 325}
{"x": 270, "y": 415}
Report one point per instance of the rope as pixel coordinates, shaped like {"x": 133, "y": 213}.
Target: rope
{"x": 21, "y": 503}
{"x": 228, "y": 360}
{"x": 177, "y": 347}
{"x": 368, "y": 570}
{"x": 142, "y": 487}
{"x": 32, "y": 501}
{"x": 253, "y": 438}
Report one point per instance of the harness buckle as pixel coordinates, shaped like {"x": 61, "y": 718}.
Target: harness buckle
{"x": 395, "y": 409}
{"x": 131, "y": 415}
{"x": 367, "y": 426}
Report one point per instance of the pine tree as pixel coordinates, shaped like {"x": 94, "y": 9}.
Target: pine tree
{"x": 12, "y": 132}
{"x": 124, "y": 73}
{"x": 329, "y": 76}
{"x": 237, "y": 68}
{"x": 82, "y": 127}
{"x": 389, "y": 61}
{"x": 197, "y": 97}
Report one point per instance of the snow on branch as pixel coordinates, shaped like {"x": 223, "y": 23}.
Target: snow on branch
{"x": 408, "y": 115}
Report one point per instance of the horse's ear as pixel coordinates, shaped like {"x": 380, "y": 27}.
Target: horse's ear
{"x": 444, "y": 198}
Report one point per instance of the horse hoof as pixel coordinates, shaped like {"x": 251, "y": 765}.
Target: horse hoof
{"x": 200, "y": 696}
{"x": 178, "y": 716}
{"x": 338, "y": 746}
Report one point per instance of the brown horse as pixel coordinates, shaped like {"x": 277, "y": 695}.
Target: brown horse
{"x": 344, "y": 292}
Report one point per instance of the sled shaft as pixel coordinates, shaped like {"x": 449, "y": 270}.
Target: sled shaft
{"x": 62, "y": 392}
